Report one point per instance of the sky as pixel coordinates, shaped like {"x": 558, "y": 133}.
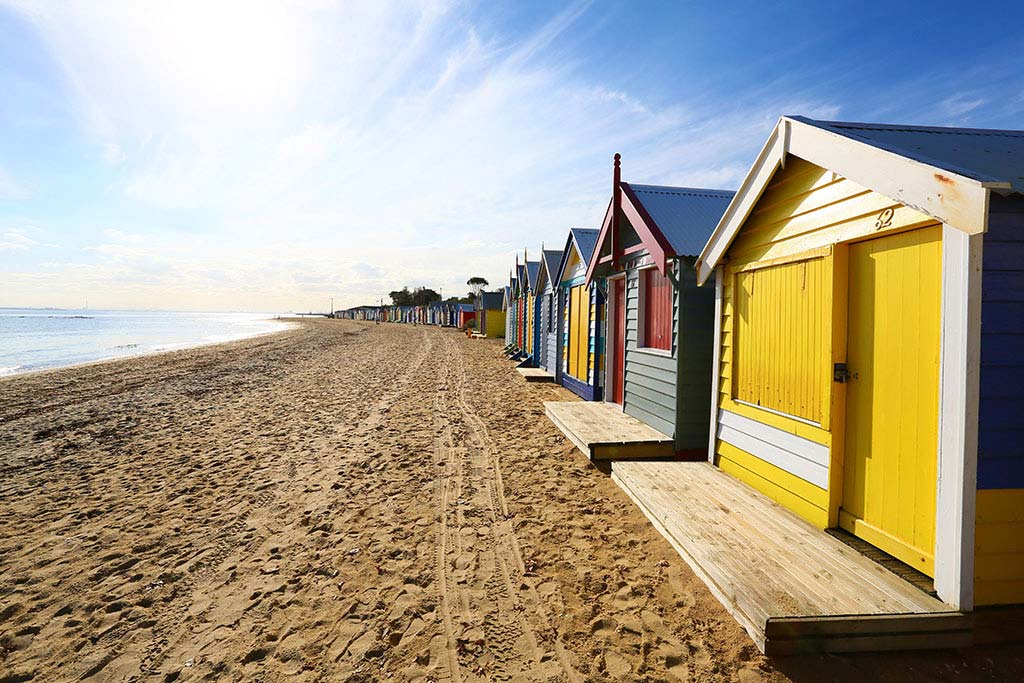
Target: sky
{"x": 271, "y": 156}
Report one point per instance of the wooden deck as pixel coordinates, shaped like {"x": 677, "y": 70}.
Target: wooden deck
{"x": 536, "y": 375}
{"x": 603, "y": 432}
{"x": 793, "y": 587}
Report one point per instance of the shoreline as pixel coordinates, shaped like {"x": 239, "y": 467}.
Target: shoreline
{"x": 286, "y": 325}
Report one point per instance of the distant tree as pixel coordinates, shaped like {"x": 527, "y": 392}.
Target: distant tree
{"x": 477, "y": 285}
{"x": 402, "y": 297}
{"x": 422, "y": 296}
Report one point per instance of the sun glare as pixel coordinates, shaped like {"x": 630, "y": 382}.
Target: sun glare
{"x": 231, "y": 55}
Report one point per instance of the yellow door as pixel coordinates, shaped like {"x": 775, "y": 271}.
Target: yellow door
{"x": 892, "y": 398}
{"x": 574, "y": 324}
{"x": 583, "y": 334}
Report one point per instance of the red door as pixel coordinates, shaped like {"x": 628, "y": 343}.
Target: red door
{"x": 618, "y": 371}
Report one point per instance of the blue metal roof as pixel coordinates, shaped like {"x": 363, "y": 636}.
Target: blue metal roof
{"x": 532, "y": 269}
{"x": 490, "y": 300}
{"x": 686, "y": 216}
{"x": 551, "y": 258}
{"x": 586, "y": 240}
{"x": 982, "y": 154}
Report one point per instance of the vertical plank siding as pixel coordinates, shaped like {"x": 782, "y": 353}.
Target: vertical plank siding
{"x": 779, "y": 336}
{"x": 493, "y": 323}
{"x": 658, "y": 310}
{"x": 894, "y": 332}
{"x": 582, "y": 340}
{"x": 999, "y": 532}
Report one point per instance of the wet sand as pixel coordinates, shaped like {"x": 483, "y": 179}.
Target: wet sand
{"x": 347, "y": 502}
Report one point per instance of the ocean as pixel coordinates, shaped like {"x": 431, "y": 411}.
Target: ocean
{"x": 38, "y": 338}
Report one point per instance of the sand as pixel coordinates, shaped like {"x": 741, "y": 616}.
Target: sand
{"x": 347, "y": 502}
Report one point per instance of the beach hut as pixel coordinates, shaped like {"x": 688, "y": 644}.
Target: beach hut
{"x": 581, "y": 347}
{"x": 521, "y": 318}
{"x": 660, "y": 324}
{"x": 466, "y": 315}
{"x": 550, "y": 314}
{"x": 512, "y": 313}
{"x": 531, "y": 312}
{"x": 506, "y": 307}
{"x": 490, "y": 316}
{"x": 869, "y": 324}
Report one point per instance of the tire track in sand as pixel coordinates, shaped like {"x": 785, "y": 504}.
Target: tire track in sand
{"x": 496, "y": 626}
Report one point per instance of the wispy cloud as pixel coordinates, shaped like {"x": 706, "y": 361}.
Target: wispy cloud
{"x": 961, "y": 103}
{"x": 22, "y": 239}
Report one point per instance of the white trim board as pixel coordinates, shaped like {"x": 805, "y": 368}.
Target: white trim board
{"x": 800, "y": 457}
{"x": 921, "y": 186}
{"x": 716, "y": 362}
{"x": 959, "y": 370}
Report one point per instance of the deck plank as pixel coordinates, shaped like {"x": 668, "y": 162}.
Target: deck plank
{"x": 536, "y": 374}
{"x": 603, "y": 432}
{"x": 793, "y": 587}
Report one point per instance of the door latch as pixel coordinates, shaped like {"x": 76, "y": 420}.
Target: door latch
{"x": 840, "y": 373}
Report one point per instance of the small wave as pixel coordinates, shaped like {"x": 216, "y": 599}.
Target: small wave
{"x": 175, "y": 346}
{"x": 10, "y": 369}
{"x": 58, "y": 317}
{"x": 127, "y": 346}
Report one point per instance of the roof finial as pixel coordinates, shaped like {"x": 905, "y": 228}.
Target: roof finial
{"x": 616, "y": 205}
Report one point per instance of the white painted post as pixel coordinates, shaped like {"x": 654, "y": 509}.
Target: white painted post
{"x": 960, "y": 367}
{"x": 716, "y": 362}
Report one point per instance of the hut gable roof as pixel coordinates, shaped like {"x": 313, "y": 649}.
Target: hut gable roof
{"x": 945, "y": 173}
{"x": 581, "y": 241}
{"x": 684, "y": 215}
{"x": 669, "y": 221}
{"x": 549, "y": 260}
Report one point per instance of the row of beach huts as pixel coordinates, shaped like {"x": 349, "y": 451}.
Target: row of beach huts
{"x": 444, "y": 314}
{"x": 844, "y": 334}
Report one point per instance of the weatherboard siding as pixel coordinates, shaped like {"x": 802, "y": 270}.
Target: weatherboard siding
{"x": 1000, "y": 428}
{"x": 999, "y": 526}
{"x": 805, "y": 207}
{"x": 551, "y": 337}
{"x": 649, "y": 387}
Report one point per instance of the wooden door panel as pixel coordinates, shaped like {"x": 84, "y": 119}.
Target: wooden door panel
{"x": 895, "y": 290}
